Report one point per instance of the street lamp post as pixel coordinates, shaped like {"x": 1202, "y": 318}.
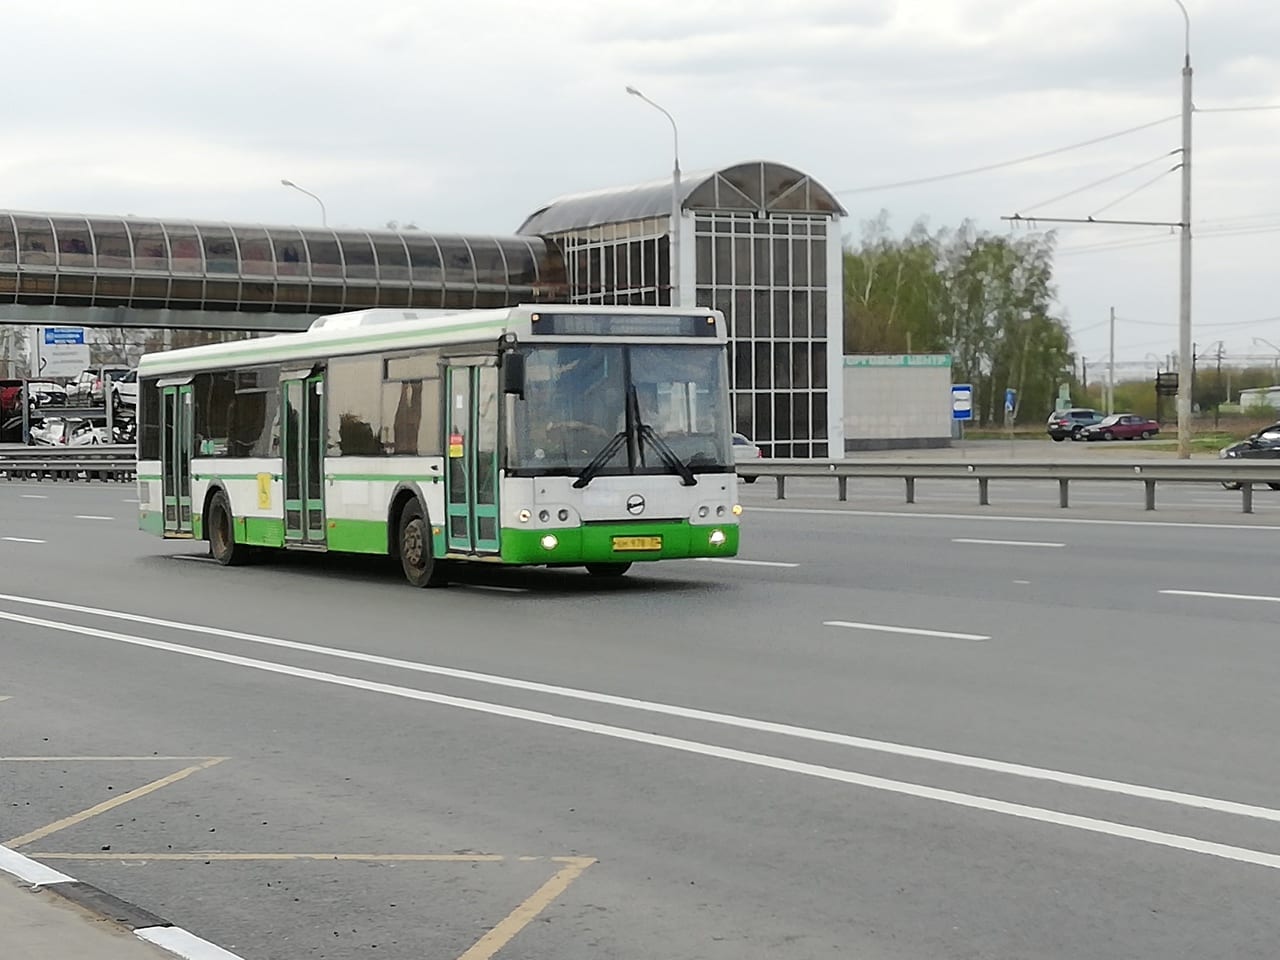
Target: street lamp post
{"x": 1184, "y": 258}
{"x": 675, "y": 196}
{"x": 324, "y": 219}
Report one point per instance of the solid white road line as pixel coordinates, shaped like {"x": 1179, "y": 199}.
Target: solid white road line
{"x": 747, "y": 563}
{"x": 28, "y": 870}
{"x": 915, "y": 631}
{"x": 184, "y": 943}
{"x": 691, "y": 713}
{"x": 1220, "y": 596}
{"x": 782, "y": 764}
{"x": 193, "y": 556}
{"x": 21, "y": 540}
{"x": 84, "y": 516}
{"x": 985, "y": 518}
{"x": 1008, "y": 543}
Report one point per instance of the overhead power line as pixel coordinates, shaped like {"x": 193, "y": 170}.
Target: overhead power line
{"x": 1136, "y": 190}
{"x": 1097, "y": 183}
{"x": 1269, "y": 106}
{"x": 1010, "y": 163}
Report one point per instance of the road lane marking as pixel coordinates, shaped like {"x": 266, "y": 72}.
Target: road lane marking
{"x": 220, "y": 856}
{"x": 35, "y": 496}
{"x": 1008, "y": 543}
{"x": 1220, "y": 596}
{"x": 990, "y": 765}
{"x": 2, "y": 700}
{"x": 748, "y": 563}
{"x": 524, "y": 914}
{"x": 89, "y": 516}
{"x": 131, "y": 500}
{"x": 52, "y": 828}
{"x": 781, "y": 764}
{"x": 22, "y": 540}
{"x": 484, "y": 586}
{"x": 46, "y": 759}
{"x": 199, "y": 558}
{"x": 915, "y": 631}
{"x": 985, "y": 518}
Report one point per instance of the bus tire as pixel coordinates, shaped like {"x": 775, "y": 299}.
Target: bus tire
{"x": 607, "y": 569}
{"x": 222, "y": 536}
{"x": 413, "y": 541}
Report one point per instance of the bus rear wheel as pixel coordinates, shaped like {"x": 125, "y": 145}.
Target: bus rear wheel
{"x": 608, "y": 569}
{"x": 421, "y": 569}
{"x": 222, "y": 536}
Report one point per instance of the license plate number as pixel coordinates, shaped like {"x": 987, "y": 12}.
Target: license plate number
{"x": 636, "y": 543}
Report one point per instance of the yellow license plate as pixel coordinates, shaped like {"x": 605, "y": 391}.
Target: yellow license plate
{"x": 636, "y": 543}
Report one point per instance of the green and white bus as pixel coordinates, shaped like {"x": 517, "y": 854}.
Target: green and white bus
{"x": 532, "y": 435}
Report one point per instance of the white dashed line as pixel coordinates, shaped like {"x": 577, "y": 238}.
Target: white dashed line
{"x": 747, "y": 563}
{"x": 1008, "y": 543}
{"x": 192, "y": 556}
{"x": 21, "y": 540}
{"x": 1220, "y": 596}
{"x": 35, "y": 496}
{"x": 915, "y": 631}
{"x": 89, "y": 516}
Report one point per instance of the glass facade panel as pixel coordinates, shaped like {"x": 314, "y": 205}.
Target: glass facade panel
{"x": 150, "y": 246}
{"x": 357, "y": 253}
{"x": 112, "y": 246}
{"x": 393, "y": 262}
{"x": 456, "y": 256}
{"x": 35, "y": 241}
{"x": 75, "y": 244}
{"x": 323, "y": 253}
{"x": 290, "y": 253}
{"x": 256, "y": 256}
{"x": 219, "y": 250}
{"x": 522, "y": 265}
{"x": 490, "y": 267}
{"x": 184, "y": 249}
{"x": 424, "y": 261}
{"x": 8, "y": 240}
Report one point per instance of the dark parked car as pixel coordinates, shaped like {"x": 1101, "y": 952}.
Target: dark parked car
{"x": 1121, "y": 426}
{"x": 1064, "y": 424}
{"x": 1263, "y": 445}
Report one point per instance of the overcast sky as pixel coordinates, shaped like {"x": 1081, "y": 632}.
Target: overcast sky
{"x": 469, "y": 116}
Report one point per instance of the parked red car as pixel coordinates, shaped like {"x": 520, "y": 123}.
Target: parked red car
{"x": 1121, "y": 426}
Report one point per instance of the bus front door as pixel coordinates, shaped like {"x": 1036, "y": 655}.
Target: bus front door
{"x": 302, "y": 442}
{"x": 471, "y": 452}
{"x": 175, "y": 425}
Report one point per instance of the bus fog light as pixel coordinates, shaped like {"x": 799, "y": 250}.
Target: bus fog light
{"x": 549, "y": 542}
{"x": 563, "y": 515}
{"x": 737, "y": 509}
{"x": 703, "y": 511}
{"x": 717, "y": 538}
{"x": 544, "y": 515}
{"x": 524, "y": 516}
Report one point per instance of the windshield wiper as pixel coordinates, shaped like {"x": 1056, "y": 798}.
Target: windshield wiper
{"x": 668, "y": 455}
{"x": 600, "y": 459}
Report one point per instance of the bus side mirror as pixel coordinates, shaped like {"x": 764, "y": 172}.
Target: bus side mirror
{"x": 513, "y": 373}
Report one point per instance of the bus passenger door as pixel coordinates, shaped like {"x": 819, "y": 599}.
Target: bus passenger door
{"x": 302, "y": 448}
{"x": 175, "y": 425}
{"x": 471, "y": 479}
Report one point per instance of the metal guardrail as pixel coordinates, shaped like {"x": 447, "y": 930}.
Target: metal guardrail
{"x": 1148, "y": 473}
{"x": 91, "y": 462}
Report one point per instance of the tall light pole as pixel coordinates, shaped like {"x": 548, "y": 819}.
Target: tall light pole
{"x": 1184, "y": 258}
{"x": 324, "y": 219}
{"x": 675, "y": 196}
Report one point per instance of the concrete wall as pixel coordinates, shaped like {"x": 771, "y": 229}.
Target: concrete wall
{"x": 897, "y": 401}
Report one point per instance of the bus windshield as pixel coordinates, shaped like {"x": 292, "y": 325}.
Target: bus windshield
{"x": 644, "y": 409}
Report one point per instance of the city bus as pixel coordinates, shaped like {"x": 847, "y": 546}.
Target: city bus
{"x": 547, "y": 435}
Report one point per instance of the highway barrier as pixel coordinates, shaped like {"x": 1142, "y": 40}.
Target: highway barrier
{"x": 116, "y": 462}
{"x": 1149, "y": 473}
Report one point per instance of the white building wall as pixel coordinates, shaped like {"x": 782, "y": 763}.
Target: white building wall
{"x": 896, "y": 401}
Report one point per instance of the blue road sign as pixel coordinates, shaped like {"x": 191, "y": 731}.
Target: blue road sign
{"x": 1010, "y": 400}
{"x": 962, "y": 401}
{"x": 54, "y": 335}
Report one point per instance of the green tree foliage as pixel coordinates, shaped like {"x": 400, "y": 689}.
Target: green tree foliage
{"x": 985, "y": 299}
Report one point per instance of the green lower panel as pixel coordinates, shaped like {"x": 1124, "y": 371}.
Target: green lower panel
{"x": 358, "y": 536}
{"x": 151, "y": 521}
{"x": 197, "y": 526}
{"x": 260, "y": 531}
{"x": 593, "y": 543}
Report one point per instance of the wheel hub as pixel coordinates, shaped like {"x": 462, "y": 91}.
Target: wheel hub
{"x": 413, "y": 545}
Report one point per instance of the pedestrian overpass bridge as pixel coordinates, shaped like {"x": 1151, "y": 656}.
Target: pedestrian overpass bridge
{"x": 99, "y": 271}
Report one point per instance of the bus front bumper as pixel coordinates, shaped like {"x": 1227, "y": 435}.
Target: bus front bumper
{"x": 620, "y": 542}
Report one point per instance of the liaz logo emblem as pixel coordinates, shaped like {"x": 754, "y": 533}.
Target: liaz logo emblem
{"x": 635, "y": 504}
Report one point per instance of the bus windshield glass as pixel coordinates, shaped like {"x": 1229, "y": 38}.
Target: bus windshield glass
{"x": 644, "y": 409}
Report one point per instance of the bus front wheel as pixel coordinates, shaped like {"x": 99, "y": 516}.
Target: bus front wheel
{"x": 222, "y": 537}
{"x": 607, "y": 569}
{"x": 420, "y": 568}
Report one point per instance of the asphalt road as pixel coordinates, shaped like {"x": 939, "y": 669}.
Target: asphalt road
{"x": 937, "y": 731}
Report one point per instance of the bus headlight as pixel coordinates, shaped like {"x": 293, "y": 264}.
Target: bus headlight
{"x": 717, "y": 538}
{"x": 737, "y": 509}
{"x": 549, "y": 542}
{"x": 523, "y": 516}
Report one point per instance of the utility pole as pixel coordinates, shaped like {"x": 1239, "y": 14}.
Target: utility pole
{"x": 1217, "y": 407}
{"x": 1111, "y": 368}
{"x": 1184, "y": 258}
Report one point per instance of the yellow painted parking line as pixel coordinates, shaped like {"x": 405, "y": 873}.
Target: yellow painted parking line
{"x": 83, "y": 815}
{"x": 523, "y": 915}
